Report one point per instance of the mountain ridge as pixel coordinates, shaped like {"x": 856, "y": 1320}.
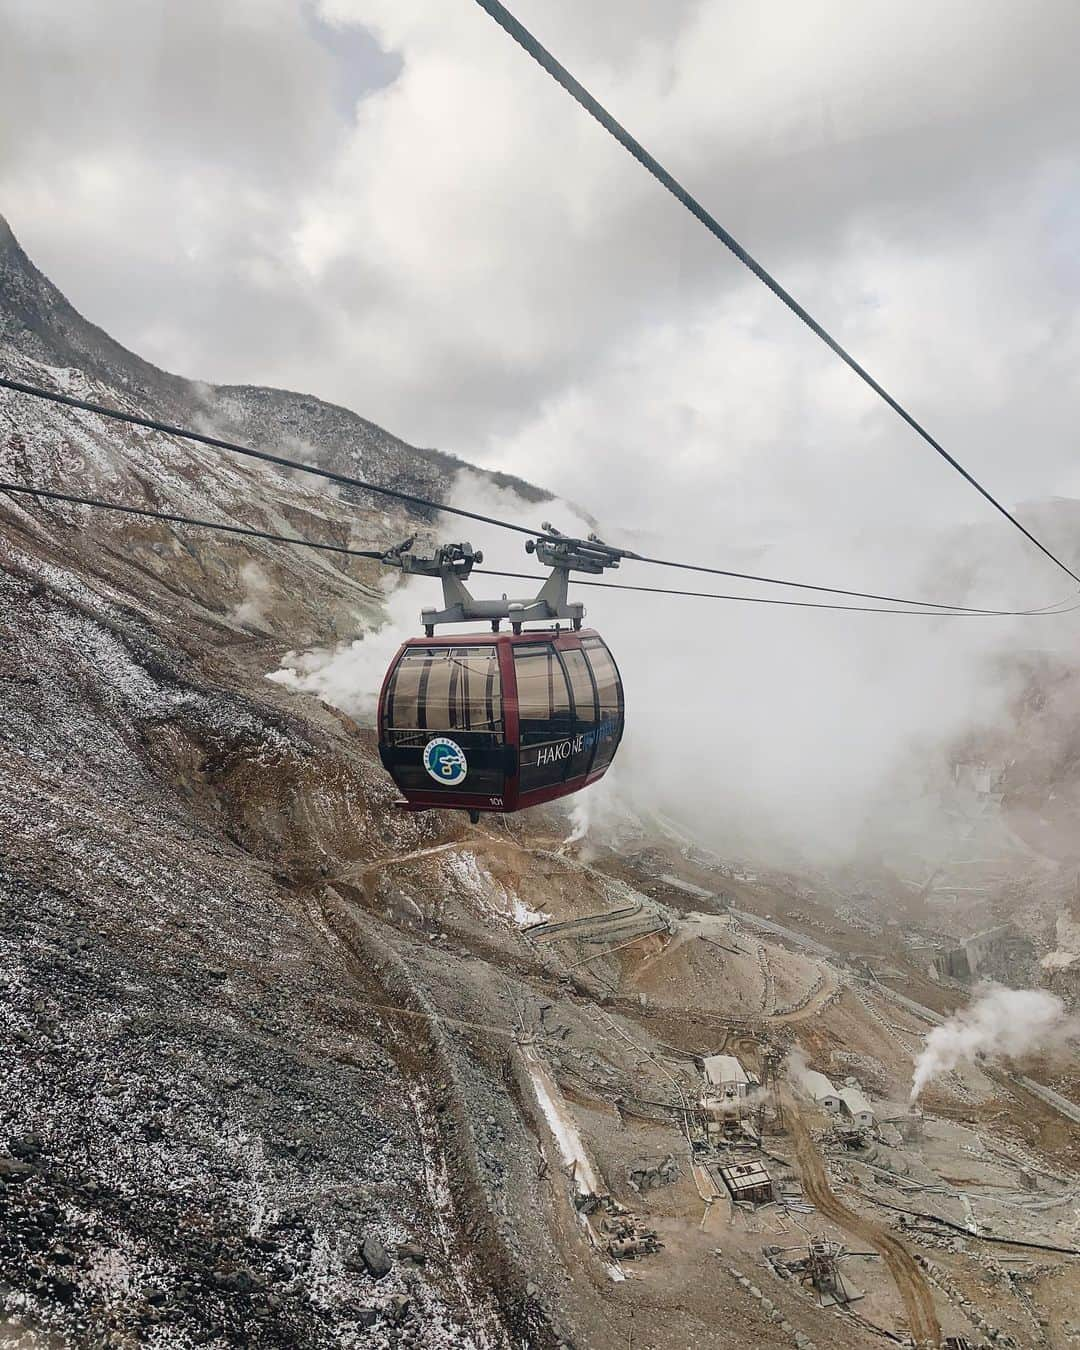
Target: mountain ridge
{"x": 38, "y": 321}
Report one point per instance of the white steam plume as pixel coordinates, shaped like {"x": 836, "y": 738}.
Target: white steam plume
{"x": 796, "y": 1067}
{"x": 349, "y": 675}
{"x": 258, "y": 592}
{"x": 758, "y": 727}
{"x": 579, "y": 820}
{"x": 999, "y": 1023}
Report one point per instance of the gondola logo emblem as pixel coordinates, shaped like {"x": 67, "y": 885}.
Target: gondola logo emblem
{"x": 445, "y": 761}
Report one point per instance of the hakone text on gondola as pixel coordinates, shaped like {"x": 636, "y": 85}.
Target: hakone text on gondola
{"x": 575, "y": 745}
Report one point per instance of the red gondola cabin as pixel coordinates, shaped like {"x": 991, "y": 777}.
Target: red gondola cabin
{"x": 500, "y": 721}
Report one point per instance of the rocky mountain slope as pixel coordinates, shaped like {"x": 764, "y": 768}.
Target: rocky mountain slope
{"x": 39, "y": 325}
{"x": 208, "y": 1133}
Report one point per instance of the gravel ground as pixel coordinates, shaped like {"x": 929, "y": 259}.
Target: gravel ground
{"x": 206, "y": 1137}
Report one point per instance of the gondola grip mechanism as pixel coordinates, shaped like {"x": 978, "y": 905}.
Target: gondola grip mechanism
{"x": 453, "y": 563}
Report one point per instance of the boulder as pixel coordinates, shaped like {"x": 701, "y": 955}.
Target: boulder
{"x": 374, "y": 1256}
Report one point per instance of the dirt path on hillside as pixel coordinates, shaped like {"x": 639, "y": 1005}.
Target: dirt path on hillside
{"x": 361, "y": 873}
{"x": 901, "y": 1265}
{"x": 813, "y": 1007}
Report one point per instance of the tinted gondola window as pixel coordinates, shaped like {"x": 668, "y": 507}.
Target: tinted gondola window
{"x": 546, "y": 726}
{"x": 583, "y": 688}
{"x": 582, "y": 685}
{"x": 479, "y": 689}
{"x": 435, "y": 692}
{"x": 449, "y": 692}
{"x": 403, "y": 693}
{"x": 610, "y": 701}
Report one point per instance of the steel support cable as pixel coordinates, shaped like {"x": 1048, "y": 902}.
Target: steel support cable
{"x": 595, "y": 109}
{"x": 348, "y": 480}
{"x": 832, "y": 590}
{"x": 185, "y": 433}
{"x": 1062, "y": 607}
{"x": 28, "y": 490}
{"x": 188, "y": 520}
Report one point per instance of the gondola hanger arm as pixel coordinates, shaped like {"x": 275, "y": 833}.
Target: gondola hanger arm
{"x": 453, "y": 563}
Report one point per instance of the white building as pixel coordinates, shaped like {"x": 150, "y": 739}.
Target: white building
{"x": 725, "y": 1074}
{"x": 819, "y": 1089}
{"x": 856, "y": 1104}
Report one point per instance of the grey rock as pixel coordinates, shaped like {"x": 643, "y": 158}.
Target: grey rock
{"x": 397, "y": 1307}
{"x": 374, "y": 1256}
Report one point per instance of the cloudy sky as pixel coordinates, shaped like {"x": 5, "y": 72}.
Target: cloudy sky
{"x": 385, "y": 203}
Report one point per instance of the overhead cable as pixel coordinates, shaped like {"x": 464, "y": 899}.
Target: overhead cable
{"x": 348, "y": 480}
{"x": 595, "y": 109}
{"x": 1062, "y": 607}
{"x": 171, "y": 517}
{"x": 187, "y": 520}
{"x": 344, "y": 479}
{"x": 830, "y": 590}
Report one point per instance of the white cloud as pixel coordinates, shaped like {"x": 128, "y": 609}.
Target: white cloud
{"x": 468, "y": 245}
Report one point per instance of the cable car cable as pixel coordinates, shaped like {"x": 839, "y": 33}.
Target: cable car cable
{"x": 346, "y": 480}
{"x": 378, "y": 554}
{"x": 1062, "y": 607}
{"x": 595, "y": 109}
{"x": 830, "y": 590}
{"x": 349, "y": 480}
{"x": 189, "y": 520}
